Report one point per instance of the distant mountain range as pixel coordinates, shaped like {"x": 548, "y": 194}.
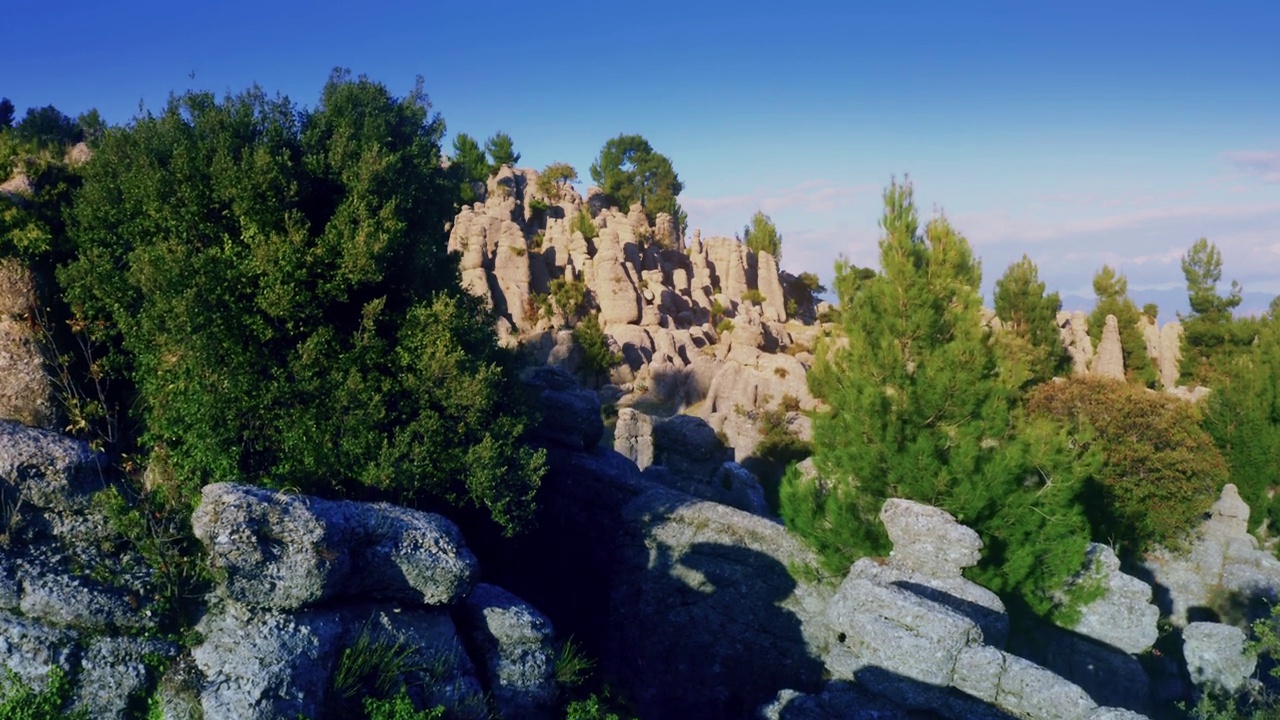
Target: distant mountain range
{"x": 1171, "y": 302}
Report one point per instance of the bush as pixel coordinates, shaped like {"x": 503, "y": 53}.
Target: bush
{"x": 583, "y": 223}
{"x": 753, "y": 296}
{"x": 276, "y": 285}
{"x": 1160, "y": 471}
{"x": 725, "y": 325}
{"x": 18, "y": 701}
{"x": 570, "y": 296}
{"x": 595, "y": 344}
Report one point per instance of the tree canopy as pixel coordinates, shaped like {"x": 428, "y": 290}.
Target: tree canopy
{"x": 276, "y": 285}
{"x": 761, "y": 235}
{"x": 501, "y": 151}
{"x": 555, "y": 179}
{"x": 469, "y": 166}
{"x": 1208, "y": 331}
{"x": 6, "y": 113}
{"x": 628, "y": 170}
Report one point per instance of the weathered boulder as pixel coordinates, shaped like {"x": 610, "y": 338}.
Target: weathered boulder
{"x": 1217, "y": 656}
{"x": 265, "y": 664}
{"x": 515, "y": 641}
{"x": 775, "y": 302}
{"x": 929, "y": 540}
{"x": 114, "y": 673}
{"x": 633, "y": 437}
{"x": 285, "y": 551}
{"x": 839, "y": 700}
{"x": 1124, "y": 617}
{"x": 689, "y": 447}
{"x": 1170, "y": 354}
{"x": 1074, "y": 331}
{"x": 570, "y": 414}
{"x": 1109, "y": 360}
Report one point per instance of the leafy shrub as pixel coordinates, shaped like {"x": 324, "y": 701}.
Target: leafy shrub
{"x": 19, "y": 701}
{"x": 725, "y": 325}
{"x": 570, "y": 296}
{"x": 1160, "y": 471}
{"x": 276, "y": 286}
{"x": 555, "y": 179}
{"x": 539, "y": 207}
{"x": 583, "y": 223}
{"x": 595, "y": 345}
{"x": 399, "y": 707}
{"x": 753, "y": 296}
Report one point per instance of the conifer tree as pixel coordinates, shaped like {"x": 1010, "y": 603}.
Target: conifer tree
{"x": 918, "y": 411}
{"x": 1209, "y": 333}
{"x": 1030, "y": 317}
{"x": 761, "y": 235}
{"x": 1112, "y": 290}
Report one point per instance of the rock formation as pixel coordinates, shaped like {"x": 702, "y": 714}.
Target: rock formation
{"x": 26, "y": 395}
{"x": 702, "y": 328}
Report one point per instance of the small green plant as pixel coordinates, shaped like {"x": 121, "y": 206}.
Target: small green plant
{"x": 792, "y": 309}
{"x": 600, "y": 358}
{"x": 573, "y": 667}
{"x": 570, "y": 296}
{"x": 372, "y": 666}
{"x": 724, "y": 326}
{"x": 790, "y": 403}
{"x": 399, "y": 707}
{"x": 19, "y": 701}
{"x": 753, "y": 296}
{"x": 535, "y": 244}
{"x": 540, "y": 305}
{"x": 583, "y": 223}
{"x": 518, "y": 250}
{"x": 539, "y": 206}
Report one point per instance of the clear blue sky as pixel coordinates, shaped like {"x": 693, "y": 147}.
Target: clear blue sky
{"x": 1080, "y": 133}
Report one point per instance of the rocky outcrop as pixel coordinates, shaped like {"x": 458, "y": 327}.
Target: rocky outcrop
{"x": 666, "y": 307}
{"x": 1221, "y": 572}
{"x": 26, "y": 395}
{"x": 1109, "y": 360}
{"x": 299, "y": 580}
{"x": 1124, "y": 617}
{"x": 1216, "y": 655}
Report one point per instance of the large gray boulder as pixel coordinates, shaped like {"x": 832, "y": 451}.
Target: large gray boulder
{"x": 633, "y": 436}
{"x": 1124, "y": 617}
{"x": 688, "y": 447}
{"x": 1217, "y": 656}
{"x": 519, "y": 657}
{"x": 929, "y": 540}
{"x": 285, "y": 551}
{"x": 256, "y": 664}
{"x": 570, "y": 414}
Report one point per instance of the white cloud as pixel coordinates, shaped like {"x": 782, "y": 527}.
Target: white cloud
{"x": 1262, "y": 163}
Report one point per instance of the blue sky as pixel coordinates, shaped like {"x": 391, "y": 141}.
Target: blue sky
{"x": 1080, "y": 133}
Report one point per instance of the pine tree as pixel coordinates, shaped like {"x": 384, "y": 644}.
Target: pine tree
{"x": 1112, "y": 290}
{"x": 1209, "y": 335}
{"x": 918, "y": 410}
{"x": 1030, "y": 316}
{"x": 761, "y": 235}
{"x": 501, "y": 152}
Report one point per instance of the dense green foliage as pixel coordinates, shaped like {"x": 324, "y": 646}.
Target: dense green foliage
{"x": 1030, "y": 350}
{"x": 1112, "y": 290}
{"x": 919, "y": 411}
{"x": 468, "y": 166}
{"x": 48, "y": 127}
{"x": 555, "y": 179}
{"x": 761, "y": 235}
{"x": 629, "y": 171}
{"x": 6, "y": 113}
{"x": 501, "y": 151}
{"x": 1160, "y": 471}
{"x": 276, "y": 285}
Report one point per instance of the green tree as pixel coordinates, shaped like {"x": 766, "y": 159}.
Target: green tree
{"x": 1030, "y": 318}
{"x": 6, "y": 113}
{"x": 276, "y": 285}
{"x": 1208, "y": 331}
{"x": 629, "y": 171}
{"x": 918, "y": 411}
{"x": 1112, "y": 290}
{"x": 48, "y": 127}
{"x": 555, "y": 179}
{"x": 469, "y": 166}
{"x": 501, "y": 152}
{"x": 761, "y": 235}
